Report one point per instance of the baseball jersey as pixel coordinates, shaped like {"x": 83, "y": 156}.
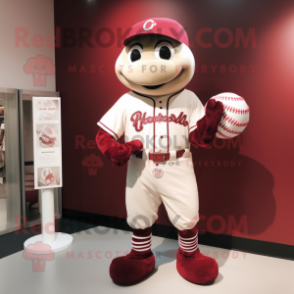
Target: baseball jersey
{"x": 162, "y": 124}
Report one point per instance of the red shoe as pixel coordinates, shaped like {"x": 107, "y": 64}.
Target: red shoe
{"x": 191, "y": 264}
{"x": 138, "y": 264}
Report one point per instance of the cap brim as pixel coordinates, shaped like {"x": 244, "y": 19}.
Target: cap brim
{"x": 130, "y": 38}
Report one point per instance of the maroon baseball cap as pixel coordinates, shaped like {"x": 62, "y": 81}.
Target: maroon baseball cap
{"x": 158, "y": 26}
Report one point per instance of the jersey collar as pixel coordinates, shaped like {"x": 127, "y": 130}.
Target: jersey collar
{"x": 158, "y": 96}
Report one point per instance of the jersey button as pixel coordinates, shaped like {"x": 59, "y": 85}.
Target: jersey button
{"x": 161, "y": 137}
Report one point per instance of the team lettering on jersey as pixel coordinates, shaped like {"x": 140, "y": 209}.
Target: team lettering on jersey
{"x": 139, "y": 119}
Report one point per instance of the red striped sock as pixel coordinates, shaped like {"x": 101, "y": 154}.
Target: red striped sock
{"x": 189, "y": 244}
{"x": 188, "y": 240}
{"x": 141, "y": 241}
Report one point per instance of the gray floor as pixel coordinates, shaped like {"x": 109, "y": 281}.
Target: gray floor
{"x": 83, "y": 268}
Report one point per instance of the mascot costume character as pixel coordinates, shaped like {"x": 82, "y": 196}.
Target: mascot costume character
{"x": 160, "y": 119}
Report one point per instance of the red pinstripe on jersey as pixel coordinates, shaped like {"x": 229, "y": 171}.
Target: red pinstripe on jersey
{"x": 154, "y": 105}
{"x": 167, "y": 125}
{"x": 154, "y": 120}
{"x": 101, "y": 123}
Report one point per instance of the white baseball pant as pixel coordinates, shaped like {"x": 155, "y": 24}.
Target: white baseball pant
{"x": 176, "y": 188}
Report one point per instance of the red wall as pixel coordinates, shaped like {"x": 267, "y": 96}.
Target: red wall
{"x": 257, "y": 191}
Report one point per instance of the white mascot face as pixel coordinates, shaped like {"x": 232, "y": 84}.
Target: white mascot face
{"x": 155, "y": 65}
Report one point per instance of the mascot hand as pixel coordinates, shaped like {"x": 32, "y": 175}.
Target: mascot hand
{"x": 207, "y": 126}
{"x": 117, "y": 153}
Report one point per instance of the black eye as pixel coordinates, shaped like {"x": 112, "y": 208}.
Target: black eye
{"x": 135, "y": 55}
{"x": 164, "y": 52}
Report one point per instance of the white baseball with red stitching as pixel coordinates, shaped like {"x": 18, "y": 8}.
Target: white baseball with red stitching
{"x": 235, "y": 117}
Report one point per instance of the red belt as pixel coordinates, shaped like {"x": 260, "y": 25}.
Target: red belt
{"x": 161, "y": 157}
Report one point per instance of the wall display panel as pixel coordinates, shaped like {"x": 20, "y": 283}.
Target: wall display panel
{"x": 31, "y": 200}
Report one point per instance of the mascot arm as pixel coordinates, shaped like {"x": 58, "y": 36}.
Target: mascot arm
{"x": 117, "y": 153}
{"x": 207, "y": 126}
